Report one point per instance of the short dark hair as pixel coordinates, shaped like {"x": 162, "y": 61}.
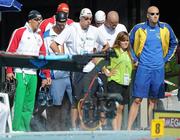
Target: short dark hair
{"x": 34, "y": 14}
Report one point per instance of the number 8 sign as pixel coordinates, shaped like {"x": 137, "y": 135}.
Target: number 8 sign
{"x": 157, "y": 128}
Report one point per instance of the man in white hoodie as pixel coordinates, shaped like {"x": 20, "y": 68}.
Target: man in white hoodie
{"x": 26, "y": 41}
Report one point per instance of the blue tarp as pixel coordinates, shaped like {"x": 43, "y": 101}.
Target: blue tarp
{"x": 10, "y": 6}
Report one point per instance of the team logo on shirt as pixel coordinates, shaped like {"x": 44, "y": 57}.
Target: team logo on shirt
{"x": 158, "y": 35}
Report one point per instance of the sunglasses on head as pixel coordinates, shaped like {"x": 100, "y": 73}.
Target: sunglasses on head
{"x": 152, "y": 14}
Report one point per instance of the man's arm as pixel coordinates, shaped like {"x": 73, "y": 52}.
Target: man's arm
{"x": 46, "y": 72}
{"x": 56, "y": 48}
{"x": 173, "y": 42}
{"x": 12, "y": 47}
{"x": 102, "y": 41}
{"x": 132, "y": 37}
{"x": 105, "y": 47}
{"x": 57, "y": 45}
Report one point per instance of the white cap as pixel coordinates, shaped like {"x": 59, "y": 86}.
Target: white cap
{"x": 85, "y": 12}
{"x": 100, "y": 16}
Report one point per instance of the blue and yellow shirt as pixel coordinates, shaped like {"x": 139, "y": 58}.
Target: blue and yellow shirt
{"x": 139, "y": 36}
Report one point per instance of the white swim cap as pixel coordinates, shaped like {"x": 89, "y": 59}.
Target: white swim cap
{"x": 100, "y": 16}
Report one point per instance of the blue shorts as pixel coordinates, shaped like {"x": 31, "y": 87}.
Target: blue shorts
{"x": 58, "y": 88}
{"x": 149, "y": 83}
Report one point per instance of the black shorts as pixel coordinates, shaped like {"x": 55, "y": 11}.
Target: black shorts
{"x": 113, "y": 87}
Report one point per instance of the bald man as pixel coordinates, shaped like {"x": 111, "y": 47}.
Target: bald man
{"x": 112, "y": 27}
{"x": 110, "y": 30}
{"x": 153, "y": 44}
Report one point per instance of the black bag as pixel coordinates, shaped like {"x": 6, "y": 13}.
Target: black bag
{"x": 44, "y": 97}
{"x": 9, "y": 87}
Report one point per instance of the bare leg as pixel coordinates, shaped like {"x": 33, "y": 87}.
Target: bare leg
{"x": 116, "y": 123}
{"x": 119, "y": 116}
{"x": 152, "y": 104}
{"x": 133, "y": 112}
{"x": 74, "y": 117}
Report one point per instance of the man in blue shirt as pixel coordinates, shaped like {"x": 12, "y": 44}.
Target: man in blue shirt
{"x": 153, "y": 44}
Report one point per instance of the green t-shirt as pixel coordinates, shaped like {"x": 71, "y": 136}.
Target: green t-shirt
{"x": 123, "y": 65}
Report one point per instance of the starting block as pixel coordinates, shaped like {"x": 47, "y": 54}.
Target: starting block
{"x": 5, "y": 98}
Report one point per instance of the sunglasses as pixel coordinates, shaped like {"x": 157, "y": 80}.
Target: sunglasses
{"x": 37, "y": 19}
{"x": 152, "y": 14}
{"x": 99, "y": 23}
{"x": 87, "y": 18}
